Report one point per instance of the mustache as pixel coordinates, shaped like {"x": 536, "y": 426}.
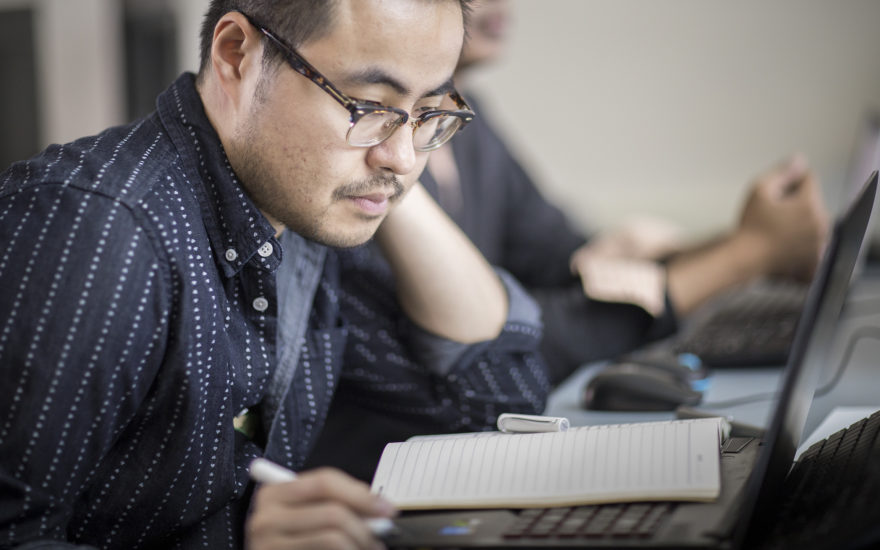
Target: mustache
{"x": 371, "y": 185}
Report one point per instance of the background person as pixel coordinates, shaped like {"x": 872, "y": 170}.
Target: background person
{"x": 485, "y": 189}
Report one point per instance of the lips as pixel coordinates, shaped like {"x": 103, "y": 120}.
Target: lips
{"x": 373, "y": 204}
{"x": 374, "y": 197}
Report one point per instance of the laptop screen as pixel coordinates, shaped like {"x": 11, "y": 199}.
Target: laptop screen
{"x": 806, "y": 360}
{"x": 865, "y": 160}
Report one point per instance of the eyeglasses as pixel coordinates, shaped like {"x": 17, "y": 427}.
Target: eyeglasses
{"x": 371, "y": 123}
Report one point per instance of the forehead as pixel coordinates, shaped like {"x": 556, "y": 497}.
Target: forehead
{"x": 415, "y": 42}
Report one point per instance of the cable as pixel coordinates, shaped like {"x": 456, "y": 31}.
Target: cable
{"x": 858, "y": 308}
{"x": 860, "y": 333}
{"x": 754, "y": 398}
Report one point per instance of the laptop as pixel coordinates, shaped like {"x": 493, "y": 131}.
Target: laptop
{"x": 865, "y": 159}
{"x": 755, "y": 325}
{"x": 753, "y": 471}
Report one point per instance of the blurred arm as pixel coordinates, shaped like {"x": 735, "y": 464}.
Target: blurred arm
{"x": 781, "y": 233}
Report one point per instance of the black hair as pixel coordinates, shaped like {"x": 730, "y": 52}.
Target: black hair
{"x": 295, "y": 21}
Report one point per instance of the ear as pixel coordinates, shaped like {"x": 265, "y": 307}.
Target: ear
{"x": 236, "y": 55}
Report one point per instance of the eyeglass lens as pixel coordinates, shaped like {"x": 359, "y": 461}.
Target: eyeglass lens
{"x": 374, "y": 128}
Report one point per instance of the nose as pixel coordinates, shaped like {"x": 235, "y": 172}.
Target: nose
{"x": 396, "y": 154}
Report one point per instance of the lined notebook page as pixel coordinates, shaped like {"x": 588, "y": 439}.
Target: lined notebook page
{"x": 675, "y": 460}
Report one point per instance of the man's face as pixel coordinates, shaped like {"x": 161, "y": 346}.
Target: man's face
{"x": 487, "y": 32}
{"x": 291, "y": 152}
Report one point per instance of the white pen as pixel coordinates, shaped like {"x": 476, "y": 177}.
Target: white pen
{"x": 530, "y": 423}
{"x": 262, "y": 470}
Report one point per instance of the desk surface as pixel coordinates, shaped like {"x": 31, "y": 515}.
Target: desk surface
{"x": 855, "y": 350}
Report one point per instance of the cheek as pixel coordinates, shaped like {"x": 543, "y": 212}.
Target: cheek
{"x": 412, "y": 177}
{"x": 306, "y": 148}
{"x": 305, "y": 157}
{"x": 303, "y": 130}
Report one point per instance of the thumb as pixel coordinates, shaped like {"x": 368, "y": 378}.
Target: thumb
{"x": 787, "y": 177}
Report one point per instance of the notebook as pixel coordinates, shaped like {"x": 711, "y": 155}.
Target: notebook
{"x": 752, "y": 472}
{"x": 755, "y": 325}
{"x": 677, "y": 459}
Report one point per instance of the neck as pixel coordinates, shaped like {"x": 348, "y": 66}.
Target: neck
{"x": 219, "y": 110}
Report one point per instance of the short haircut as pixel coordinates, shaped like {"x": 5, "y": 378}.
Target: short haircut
{"x": 295, "y": 21}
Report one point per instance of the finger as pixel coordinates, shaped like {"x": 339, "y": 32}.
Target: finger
{"x": 796, "y": 166}
{"x": 786, "y": 178}
{"x": 292, "y": 522}
{"x": 328, "y": 484}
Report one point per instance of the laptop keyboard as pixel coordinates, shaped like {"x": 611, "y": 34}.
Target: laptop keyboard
{"x": 831, "y": 500}
{"x": 831, "y": 493}
{"x": 598, "y": 521}
{"x": 750, "y": 328}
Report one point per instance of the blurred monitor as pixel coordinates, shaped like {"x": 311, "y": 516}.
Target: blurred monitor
{"x": 865, "y": 160}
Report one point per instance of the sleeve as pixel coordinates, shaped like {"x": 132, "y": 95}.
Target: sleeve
{"x": 76, "y": 312}
{"x": 387, "y": 387}
{"x": 579, "y": 330}
{"x": 441, "y": 355}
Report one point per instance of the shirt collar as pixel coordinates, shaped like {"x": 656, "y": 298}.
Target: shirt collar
{"x": 237, "y": 229}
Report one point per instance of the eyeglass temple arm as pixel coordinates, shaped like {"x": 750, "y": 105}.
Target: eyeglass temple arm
{"x": 302, "y": 66}
{"x": 462, "y": 104}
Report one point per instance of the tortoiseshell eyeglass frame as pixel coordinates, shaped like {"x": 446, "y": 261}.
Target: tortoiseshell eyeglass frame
{"x": 358, "y": 108}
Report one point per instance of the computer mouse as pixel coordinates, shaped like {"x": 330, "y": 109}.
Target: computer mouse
{"x": 686, "y": 366}
{"x": 638, "y": 387}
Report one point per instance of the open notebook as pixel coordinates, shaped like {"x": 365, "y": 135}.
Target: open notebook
{"x": 752, "y": 472}
{"x": 592, "y": 464}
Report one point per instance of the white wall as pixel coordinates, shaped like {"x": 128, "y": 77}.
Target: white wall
{"x": 617, "y": 106}
{"x": 670, "y": 107}
{"x": 189, "y": 20}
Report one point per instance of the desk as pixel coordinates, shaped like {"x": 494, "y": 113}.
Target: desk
{"x": 856, "y": 344}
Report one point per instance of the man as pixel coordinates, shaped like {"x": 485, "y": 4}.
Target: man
{"x": 170, "y": 306}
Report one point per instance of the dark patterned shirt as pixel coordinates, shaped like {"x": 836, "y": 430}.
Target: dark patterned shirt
{"x": 138, "y": 318}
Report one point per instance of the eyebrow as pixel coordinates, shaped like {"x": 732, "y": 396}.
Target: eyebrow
{"x": 378, "y": 76}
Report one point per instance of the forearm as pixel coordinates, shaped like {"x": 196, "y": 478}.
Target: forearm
{"x": 694, "y": 277}
{"x": 443, "y": 282}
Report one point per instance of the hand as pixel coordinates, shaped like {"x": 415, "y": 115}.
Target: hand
{"x": 321, "y": 509}
{"x": 640, "y": 238}
{"x": 785, "y": 218}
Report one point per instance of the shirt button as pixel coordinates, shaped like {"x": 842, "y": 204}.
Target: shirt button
{"x": 261, "y": 304}
{"x": 231, "y": 254}
{"x": 265, "y": 250}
